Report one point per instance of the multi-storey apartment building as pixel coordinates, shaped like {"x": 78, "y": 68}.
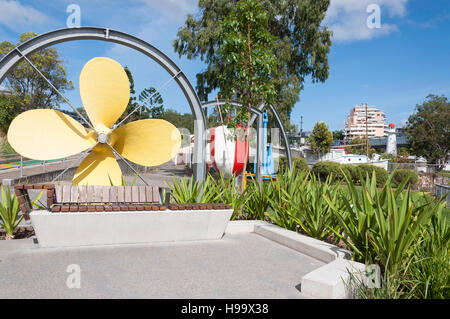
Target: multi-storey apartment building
{"x": 356, "y": 122}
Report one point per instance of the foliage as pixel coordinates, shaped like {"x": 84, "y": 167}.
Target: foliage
{"x": 402, "y": 174}
{"x": 427, "y": 273}
{"x": 381, "y": 225}
{"x": 402, "y": 156}
{"x": 258, "y": 200}
{"x": 9, "y": 211}
{"x": 358, "y": 146}
{"x": 327, "y": 168}
{"x": 8, "y": 104}
{"x": 387, "y": 156}
{"x": 212, "y": 190}
{"x": 185, "y": 120}
{"x": 429, "y": 132}
{"x": 246, "y": 52}
{"x": 227, "y": 192}
{"x": 190, "y": 191}
{"x": 150, "y": 103}
{"x": 308, "y": 207}
{"x": 445, "y": 174}
{"x": 391, "y": 287}
{"x": 424, "y": 275}
{"x": 7, "y": 148}
{"x": 338, "y": 135}
{"x": 28, "y": 89}
{"x": 321, "y": 139}
{"x": 248, "y": 62}
{"x": 301, "y": 47}
{"x": 287, "y": 185}
{"x": 353, "y": 171}
{"x": 367, "y": 169}
{"x": 298, "y": 163}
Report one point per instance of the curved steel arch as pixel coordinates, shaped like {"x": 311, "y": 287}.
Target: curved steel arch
{"x": 42, "y": 41}
{"x": 255, "y": 113}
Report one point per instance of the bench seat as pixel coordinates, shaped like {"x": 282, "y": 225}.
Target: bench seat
{"x": 69, "y": 198}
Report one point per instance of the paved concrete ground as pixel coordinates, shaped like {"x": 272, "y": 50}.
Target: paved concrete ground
{"x": 237, "y": 266}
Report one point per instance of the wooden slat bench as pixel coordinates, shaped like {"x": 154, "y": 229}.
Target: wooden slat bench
{"x": 68, "y": 198}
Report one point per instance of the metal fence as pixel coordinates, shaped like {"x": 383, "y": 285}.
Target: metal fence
{"x": 443, "y": 190}
{"x": 16, "y": 161}
{"x": 417, "y": 167}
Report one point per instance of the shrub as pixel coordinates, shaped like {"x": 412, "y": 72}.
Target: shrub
{"x": 7, "y": 149}
{"x": 353, "y": 172}
{"x": 308, "y": 208}
{"x": 9, "y": 211}
{"x": 381, "y": 225}
{"x": 290, "y": 185}
{"x": 381, "y": 173}
{"x": 257, "y": 200}
{"x": 388, "y": 156}
{"x": 298, "y": 163}
{"x": 190, "y": 191}
{"x": 401, "y": 174}
{"x": 327, "y": 168}
{"x": 220, "y": 190}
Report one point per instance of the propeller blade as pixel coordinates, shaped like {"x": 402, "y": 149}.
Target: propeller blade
{"x": 99, "y": 168}
{"x": 105, "y": 92}
{"x": 46, "y": 134}
{"x": 149, "y": 142}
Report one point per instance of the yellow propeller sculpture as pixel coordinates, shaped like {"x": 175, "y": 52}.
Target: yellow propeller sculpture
{"x": 46, "y": 134}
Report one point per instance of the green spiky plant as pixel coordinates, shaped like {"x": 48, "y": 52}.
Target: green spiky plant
{"x": 190, "y": 191}
{"x": 312, "y": 212}
{"x": 9, "y": 212}
{"x": 285, "y": 193}
{"x": 381, "y": 225}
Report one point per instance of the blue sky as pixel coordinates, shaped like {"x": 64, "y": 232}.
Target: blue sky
{"x": 393, "y": 67}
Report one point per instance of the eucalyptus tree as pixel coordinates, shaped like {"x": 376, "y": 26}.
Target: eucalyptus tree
{"x": 301, "y": 45}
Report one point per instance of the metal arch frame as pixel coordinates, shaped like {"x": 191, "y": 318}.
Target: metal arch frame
{"x": 42, "y": 41}
{"x": 256, "y": 112}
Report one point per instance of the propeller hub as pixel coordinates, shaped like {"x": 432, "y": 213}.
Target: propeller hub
{"x": 102, "y": 138}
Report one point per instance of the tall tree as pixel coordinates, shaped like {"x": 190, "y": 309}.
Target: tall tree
{"x": 150, "y": 103}
{"x": 429, "y": 130}
{"x": 338, "y": 135}
{"x": 321, "y": 139}
{"x": 28, "y": 89}
{"x": 358, "y": 145}
{"x": 302, "y": 45}
{"x": 248, "y": 61}
{"x": 179, "y": 120}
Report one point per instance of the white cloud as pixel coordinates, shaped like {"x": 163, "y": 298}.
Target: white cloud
{"x": 348, "y": 18}
{"x": 15, "y": 16}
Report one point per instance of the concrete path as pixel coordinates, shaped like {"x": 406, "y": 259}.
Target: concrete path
{"x": 237, "y": 266}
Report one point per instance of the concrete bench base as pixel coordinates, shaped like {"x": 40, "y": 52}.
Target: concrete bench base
{"x": 106, "y": 228}
{"x": 331, "y": 281}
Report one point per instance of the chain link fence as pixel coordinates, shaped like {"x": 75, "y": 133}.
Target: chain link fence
{"x": 418, "y": 167}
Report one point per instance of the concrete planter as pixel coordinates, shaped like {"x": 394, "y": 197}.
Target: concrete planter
{"x": 106, "y": 228}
